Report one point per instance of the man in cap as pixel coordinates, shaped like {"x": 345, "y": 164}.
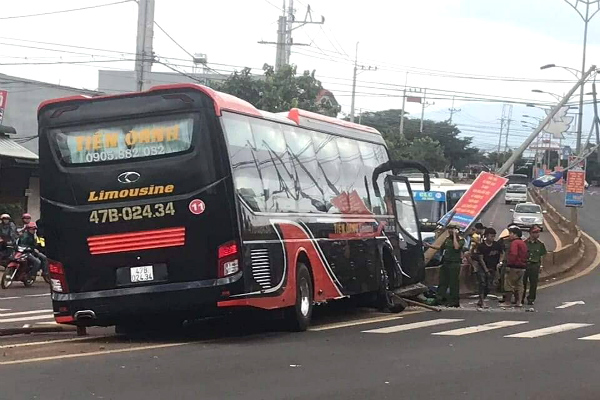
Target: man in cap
{"x": 515, "y": 269}
{"x": 450, "y": 269}
{"x": 537, "y": 250}
{"x": 504, "y": 241}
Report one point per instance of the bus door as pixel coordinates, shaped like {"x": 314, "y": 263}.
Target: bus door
{"x": 406, "y": 238}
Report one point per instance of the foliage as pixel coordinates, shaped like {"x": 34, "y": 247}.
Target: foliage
{"x": 439, "y": 147}
{"x": 279, "y": 91}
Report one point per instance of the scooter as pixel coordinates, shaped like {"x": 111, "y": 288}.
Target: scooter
{"x": 18, "y": 269}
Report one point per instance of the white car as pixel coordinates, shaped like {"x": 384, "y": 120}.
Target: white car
{"x": 525, "y": 215}
{"x": 515, "y": 193}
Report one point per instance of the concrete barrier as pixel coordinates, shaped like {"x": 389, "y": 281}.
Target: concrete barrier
{"x": 565, "y": 258}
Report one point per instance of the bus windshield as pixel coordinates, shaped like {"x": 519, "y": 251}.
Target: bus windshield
{"x": 125, "y": 140}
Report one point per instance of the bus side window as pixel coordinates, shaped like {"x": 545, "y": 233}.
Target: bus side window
{"x": 328, "y": 162}
{"x": 353, "y": 181}
{"x": 373, "y": 155}
{"x": 247, "y": 179}
{"x": 275, "y": 166}
{"x": 309, "y": 183}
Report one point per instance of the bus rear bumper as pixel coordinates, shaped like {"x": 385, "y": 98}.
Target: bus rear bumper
{"x": 171, "y": 300}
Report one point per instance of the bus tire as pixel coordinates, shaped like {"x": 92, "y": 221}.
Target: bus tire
{"x": 386, "y": 299}
{"x": 298, "y": 317}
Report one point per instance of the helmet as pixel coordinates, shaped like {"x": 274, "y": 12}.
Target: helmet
{"x": 26, "y": 215}
{"x": 5, "y": 216}
{"x": 31, "y": 225}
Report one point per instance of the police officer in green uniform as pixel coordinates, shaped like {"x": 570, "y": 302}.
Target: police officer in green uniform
{"x": 537, "y": 250}
{"x": 450, "y": 269}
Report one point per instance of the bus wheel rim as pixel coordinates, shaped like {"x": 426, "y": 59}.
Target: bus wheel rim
{"x": 304, "y": 298}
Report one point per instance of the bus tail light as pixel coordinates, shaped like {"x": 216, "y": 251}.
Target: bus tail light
{"x": 229, "y": 259}
{"x": 58, "y": 279}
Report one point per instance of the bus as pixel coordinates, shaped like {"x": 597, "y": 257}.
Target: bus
{"x": 432, "y": 205}
{"x": 181, "y": 202}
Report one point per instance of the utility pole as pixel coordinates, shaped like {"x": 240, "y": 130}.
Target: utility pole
{"x": 510, "y": 109}
{"x": 145, "y": 34}
{"x": 280, "y": 51}
{"x": 356, "y": 68}
{"x": 423, "y": 110}
{"x": 285, "y": 26}
{"x": 452, "y": 111}
{"x": 403, "y": 106}
{"x": 500, "y": 137}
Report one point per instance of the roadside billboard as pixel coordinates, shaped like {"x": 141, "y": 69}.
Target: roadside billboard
{"x": 475, "y": 200}
{"x": 575, "y": 189}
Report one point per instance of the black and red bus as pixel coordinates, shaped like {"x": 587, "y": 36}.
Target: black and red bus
{"x": 181, "y": 202}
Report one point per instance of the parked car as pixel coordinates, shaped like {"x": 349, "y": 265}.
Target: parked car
{"x": 525, "y": 215}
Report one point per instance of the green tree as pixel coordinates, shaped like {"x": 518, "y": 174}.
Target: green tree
{"x": 279, "y": 91}
{"x": 439, "y": 145}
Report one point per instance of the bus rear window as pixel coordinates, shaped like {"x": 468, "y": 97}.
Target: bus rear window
{"x": 124, "y": 141}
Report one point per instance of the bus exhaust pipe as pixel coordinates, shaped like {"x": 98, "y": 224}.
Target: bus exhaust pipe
{"x": 85, "y": 315}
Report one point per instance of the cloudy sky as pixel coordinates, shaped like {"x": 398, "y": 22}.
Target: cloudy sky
{"x": 483, "y": 52}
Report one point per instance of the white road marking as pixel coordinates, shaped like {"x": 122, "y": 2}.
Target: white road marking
{"x": 10, "y": 298}
{"x": 548, "y": 331}
{"x": 30, "y": 318}
{"x": 593, "y": 337}
{"x": 4, "y": 309}
{"x": 38, "y": 295}
{"x": 14, "y": 314}
{"x": 480, "y": 328}
{"x": 414, "y": 325}
{"x": 338, "y": 325}
{"x": 96, "y": 353}
{"x": 45, "y": 342}
{"x": 567, "y": 304}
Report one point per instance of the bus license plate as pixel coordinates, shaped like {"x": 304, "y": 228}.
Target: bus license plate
{"x": 142, "y": 274}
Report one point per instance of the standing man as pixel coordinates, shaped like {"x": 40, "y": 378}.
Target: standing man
{"x": 515, "y": 269}
{"x": 450, "y": 269}
{"x": 537, "y": 250}
{"x": 488, "y": 253}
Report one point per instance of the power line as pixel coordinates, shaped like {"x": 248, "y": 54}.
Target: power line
{"x": 272, "y": 5}
{"x": 67, "y": 11}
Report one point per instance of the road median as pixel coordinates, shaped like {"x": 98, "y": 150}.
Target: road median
{"x": 565, "y": 258}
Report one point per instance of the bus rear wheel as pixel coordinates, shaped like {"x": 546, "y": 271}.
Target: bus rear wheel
{"x": 386, "y": 298}
{"x": 298, "y": 317}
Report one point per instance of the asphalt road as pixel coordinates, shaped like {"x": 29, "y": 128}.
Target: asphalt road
{"x": 499, "y": 216}
{"x": 549, "y": 353}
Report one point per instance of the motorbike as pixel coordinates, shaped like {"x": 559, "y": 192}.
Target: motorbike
{"x": 18, "y": 269}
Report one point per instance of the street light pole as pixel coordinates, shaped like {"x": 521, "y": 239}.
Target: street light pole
{"x": 586, "y": 19}
{"x": 581, "y": 89}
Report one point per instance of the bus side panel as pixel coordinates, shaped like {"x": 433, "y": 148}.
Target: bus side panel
{"x": 341, "y": 264}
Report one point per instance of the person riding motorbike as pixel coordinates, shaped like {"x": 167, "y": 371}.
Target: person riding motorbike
{"x": 8, "y": 235}
{"x": 36, "y": 258}
{"x": 26, "y": 219}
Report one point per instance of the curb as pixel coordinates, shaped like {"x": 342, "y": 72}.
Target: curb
{"x": 37, "y": 329}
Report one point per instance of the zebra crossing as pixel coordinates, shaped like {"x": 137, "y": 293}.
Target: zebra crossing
{"x": 9, "y": 318}
{"x": 520, "y": 325}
